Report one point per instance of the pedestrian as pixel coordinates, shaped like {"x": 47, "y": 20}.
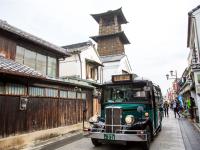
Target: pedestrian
{"x": 179, "y": 108}
{"x": 166, "y": 108}
{"x": 192, "y": 104}
{"x": 175, "y": 108}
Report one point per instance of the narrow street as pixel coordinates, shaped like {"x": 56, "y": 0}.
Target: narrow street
{"x": 175, "y": 135}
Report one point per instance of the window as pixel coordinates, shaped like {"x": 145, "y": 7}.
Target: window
{"x": 41, "y": 63}
{"x": 125, "y": 93}
{"x": 36, "y": 91}
{"x": 91, "y": 71}
{"x": 79, "y": 96}
{"x": 83, "y": 95}
{"x": 63, "y": 94}
{"x": 72, "y": 94}
{"x": 15, "y": 89}
{"x": 20, "y": 55}
{"x": 51, "y": 92}
{"x": 29, "y": 58}
{"x": 108, "y": 22}
{"x": 51, "y": 67}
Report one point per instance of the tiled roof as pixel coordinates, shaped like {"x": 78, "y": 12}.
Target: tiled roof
{"x": 7, "y": 27}
{"x": 78, "y": 47}
{"x": 111, "y": 58}
{"x": 121, "y": 35}
{"x": 11, "y": 67}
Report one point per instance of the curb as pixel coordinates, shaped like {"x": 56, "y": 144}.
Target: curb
{"x": 197, "y": 126}
{"x": 59, "y": 141}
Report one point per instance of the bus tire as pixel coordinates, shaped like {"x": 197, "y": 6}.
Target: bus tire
{"x": 95, "y": 142}
{"x": 160, "y": 128}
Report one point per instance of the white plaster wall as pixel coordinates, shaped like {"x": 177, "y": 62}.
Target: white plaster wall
{"x": 70, "y": 66}
{"x": 113, "y": 68}
{"x": 124, "y": 65}
{"x": 91, "y": 53}
{"x": 109, "y": 69}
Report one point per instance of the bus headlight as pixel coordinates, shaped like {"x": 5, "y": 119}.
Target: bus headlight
{"x": 129, "y": 119}
{"x": 94, "y": 119}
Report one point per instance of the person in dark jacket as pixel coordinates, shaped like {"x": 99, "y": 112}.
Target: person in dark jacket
{"x": 166, "y": 108}
{"x": 192, "y": 107}
{"x": 176, "y": 108}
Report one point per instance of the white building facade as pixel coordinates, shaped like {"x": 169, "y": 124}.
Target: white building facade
{"x": 193, "y": 43}
{"x": 113, "y": 65}
{"x": 84, "y": 63}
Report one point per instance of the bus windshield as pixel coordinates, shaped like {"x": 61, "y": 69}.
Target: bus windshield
{"x": 125, "y": 93}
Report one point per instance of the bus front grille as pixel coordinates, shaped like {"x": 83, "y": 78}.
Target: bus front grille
{"x": 113, "y": 119}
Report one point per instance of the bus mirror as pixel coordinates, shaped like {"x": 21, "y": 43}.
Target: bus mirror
{"x": 146, "y": 88}
{"x": 140, "y": 109}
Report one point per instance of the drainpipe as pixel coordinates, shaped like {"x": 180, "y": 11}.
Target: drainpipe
{"x": 79, "y": 56}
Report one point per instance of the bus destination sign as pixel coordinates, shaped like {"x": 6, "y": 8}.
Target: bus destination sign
{"x": 123, "y": 77}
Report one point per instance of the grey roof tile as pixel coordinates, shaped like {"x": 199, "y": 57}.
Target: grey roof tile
{"x": 12, "y": 67}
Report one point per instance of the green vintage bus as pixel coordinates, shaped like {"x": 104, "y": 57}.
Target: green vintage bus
{"x": 130, "y": 112}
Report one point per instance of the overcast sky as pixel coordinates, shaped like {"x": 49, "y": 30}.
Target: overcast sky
{"x": 157, "y": 29}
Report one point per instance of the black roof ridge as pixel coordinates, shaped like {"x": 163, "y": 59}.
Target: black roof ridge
{"x": 77, "y": 45}
{"x": 193, "y": 10}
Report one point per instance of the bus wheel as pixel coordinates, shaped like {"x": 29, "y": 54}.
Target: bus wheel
{"x": 95, "y": 142}
{"x": 147, "y": 143}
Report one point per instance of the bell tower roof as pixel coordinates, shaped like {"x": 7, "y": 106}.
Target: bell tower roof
{"x": 121, "y": 36}
{"x": 118, "y": 12}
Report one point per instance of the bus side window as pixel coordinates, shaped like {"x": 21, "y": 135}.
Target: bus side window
{"x": 157, "y": 96}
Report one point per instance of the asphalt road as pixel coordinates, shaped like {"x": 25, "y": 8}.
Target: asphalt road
{"x": 85, "y": 144}
{"x": 170, "y": 138}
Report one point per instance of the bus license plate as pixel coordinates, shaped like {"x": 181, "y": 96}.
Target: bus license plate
{"x": 109, "y": 136}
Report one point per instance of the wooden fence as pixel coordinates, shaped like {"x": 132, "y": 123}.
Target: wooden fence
{"x": 41, "y": 113}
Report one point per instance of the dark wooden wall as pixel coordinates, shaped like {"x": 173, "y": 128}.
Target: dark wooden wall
{"x": 7, "y": 47}
{"x": 41, "y": 113}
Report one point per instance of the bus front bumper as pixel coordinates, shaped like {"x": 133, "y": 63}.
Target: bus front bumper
{"x": 117, "y": 136}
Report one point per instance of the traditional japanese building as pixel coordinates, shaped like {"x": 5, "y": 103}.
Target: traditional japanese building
{"x": 193, "y": 43}
{"x": 32, "y": 97}
{"x": 84, "y": 62}
{"x": 111, "y": 41}
{"x": 84, "y": 65}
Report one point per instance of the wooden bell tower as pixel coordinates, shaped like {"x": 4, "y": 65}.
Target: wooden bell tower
{"x": 111, "y": 38}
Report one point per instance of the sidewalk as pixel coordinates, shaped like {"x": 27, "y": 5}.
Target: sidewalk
{"x": 53, "y": 143}
{"x": 191, "y": 134}
{"x": 170, "y": 138}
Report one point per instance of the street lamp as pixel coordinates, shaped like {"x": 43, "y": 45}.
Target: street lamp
{"x": 173, "y": 76}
